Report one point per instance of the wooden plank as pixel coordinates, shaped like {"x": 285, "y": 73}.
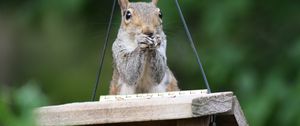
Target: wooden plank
{"x": 130, "y": 110}
{"x": 146, "y": 123}
{"x": 235, "y": 117}
{"x": 238, "y": 113}
{"x": 199, "y": 121}
{"x": 152, "y": 95}
{"x": 212, "y": 105}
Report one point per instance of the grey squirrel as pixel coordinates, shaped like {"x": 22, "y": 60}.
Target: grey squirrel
{"x": 139, "y": 51}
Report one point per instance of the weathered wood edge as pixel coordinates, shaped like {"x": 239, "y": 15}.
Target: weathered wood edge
{"x": 212, "y": 105}
{"x": 126, "y": 111}
{"x": 238, "y": 113}
{"x": 105, "y": 98}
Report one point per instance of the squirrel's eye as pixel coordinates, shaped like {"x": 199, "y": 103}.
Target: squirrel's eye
{"x": 160, "y": 15}
{"x": 128, "y": 15}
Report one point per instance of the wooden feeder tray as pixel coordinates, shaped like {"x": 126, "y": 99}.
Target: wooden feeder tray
{"x": 182, "y": 108}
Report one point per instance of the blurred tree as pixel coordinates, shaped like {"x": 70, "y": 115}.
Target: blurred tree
{"x": 17, "y": 107}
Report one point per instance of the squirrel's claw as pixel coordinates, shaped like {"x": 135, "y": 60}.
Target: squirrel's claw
{"x": 142, "y": 41}
{"x": 156, "y": 41}
{"x": 148, "y": 42}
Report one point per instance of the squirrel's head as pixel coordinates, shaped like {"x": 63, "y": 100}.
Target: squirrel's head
{"x": 141, "y": 17}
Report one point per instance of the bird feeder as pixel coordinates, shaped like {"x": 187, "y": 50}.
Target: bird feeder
{"x": 180, "y": 108}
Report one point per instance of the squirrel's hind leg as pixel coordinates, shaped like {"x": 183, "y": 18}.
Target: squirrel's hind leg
{"x": 172, "y": 85}
{"x": 114, "y": 89}
{"x": 121, "y": 89}
{"x": 169, "y": 83}
{"x": 126, "y": 89}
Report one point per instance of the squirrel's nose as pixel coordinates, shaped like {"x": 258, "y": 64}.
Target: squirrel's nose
{"x": 148, "y": 30}
{"x": 149, "y": 34}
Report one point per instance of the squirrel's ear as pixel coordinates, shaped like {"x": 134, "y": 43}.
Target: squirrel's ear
{"x": 123, "y": 4}
{"x": 154, "y": 2}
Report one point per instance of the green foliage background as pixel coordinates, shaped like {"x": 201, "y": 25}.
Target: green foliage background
{"x": 251, "y": 47}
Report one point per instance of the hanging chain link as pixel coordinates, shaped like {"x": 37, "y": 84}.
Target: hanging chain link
{"x": 212, "y": 118}
{"x": 102, "y": 55}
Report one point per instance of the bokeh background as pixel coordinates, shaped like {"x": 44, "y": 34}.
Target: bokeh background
{"x": 49, "y": 53}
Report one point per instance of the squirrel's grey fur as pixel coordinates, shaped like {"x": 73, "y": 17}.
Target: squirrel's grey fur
{"x": 139, "y": 52}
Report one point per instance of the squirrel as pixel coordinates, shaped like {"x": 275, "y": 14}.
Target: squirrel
{"x": 139, "y": 52}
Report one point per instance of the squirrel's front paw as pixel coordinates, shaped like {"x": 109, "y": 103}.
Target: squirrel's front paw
{"x": 145, "y": 41}
{"x": 154, "y": 42}
{"x": 142, "y": 41}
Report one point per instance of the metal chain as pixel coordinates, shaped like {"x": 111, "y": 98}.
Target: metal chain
{"x": 102, "y": 54}
{"x": 187, "y": 31}
{"x": 212, "y": 118}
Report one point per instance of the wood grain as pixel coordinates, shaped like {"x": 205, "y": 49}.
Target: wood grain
{"x": 212, "y": 105}
{"x": 178, "y": 107}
